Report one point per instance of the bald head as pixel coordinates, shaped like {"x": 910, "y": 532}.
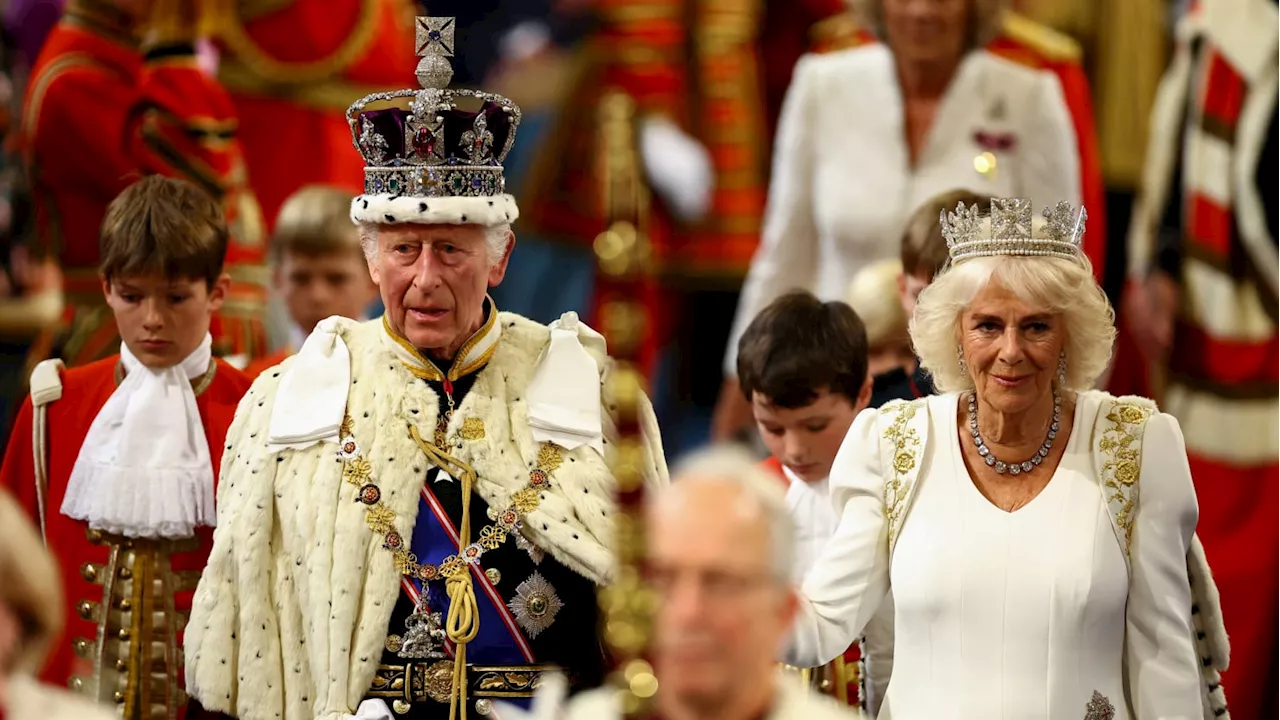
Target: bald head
{"x": 724, "y": 486}
{"x": 720, "y": 552}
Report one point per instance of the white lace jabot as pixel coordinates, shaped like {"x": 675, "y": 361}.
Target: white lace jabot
{"x": 144, "y": 468}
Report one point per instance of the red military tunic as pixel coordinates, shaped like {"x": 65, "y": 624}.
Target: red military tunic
{"x": 261, "y": 365}
{"x": 699, "y": 63}
{"x": 107, "y": 578}
{"x": 97, "y": 117}
{"x": 1034, "y": 45}
{"x": 1207, "y": 217}
{"x": 293, "y": 69}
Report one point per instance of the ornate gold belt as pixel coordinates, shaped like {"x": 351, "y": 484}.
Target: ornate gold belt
{"x": 432, "y": 681}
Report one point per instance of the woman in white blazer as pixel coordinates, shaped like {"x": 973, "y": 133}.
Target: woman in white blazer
{"x": 868, "y": 134}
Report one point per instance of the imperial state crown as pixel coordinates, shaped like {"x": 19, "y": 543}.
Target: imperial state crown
{"x": 1010, "y": 230}
{"x": 434, "y": 162}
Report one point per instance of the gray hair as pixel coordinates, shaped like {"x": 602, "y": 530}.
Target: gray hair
{"x": 986, "y": 24}
{"x": 733, "y": 465}
{"x": 497, "y": 238}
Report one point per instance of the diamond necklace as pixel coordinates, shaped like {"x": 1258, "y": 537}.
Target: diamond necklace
{"x": 1014, "y": 468}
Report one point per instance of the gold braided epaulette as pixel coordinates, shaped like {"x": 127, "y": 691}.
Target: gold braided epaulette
{"x": 1042, "y": 39}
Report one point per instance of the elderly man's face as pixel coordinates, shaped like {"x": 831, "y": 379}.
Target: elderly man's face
{"x": 722, "y": 616}
{"x": 433, "y": 280}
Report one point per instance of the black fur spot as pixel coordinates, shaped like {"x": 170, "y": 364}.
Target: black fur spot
{"x": 366, "y": 204}
{"x": 490, "y": 203}
{"x": 389, "y": 217}
{"x": 422, "y": 207}
{"x": 464, "y": 218}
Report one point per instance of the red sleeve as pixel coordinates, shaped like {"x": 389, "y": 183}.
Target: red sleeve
{"x": 645, "y": 42}
{"x": 18, "y": 474}
{"x": 79, "y": 131}
{"x": 1075, "y": 89}
{"x": 184, "y": 124}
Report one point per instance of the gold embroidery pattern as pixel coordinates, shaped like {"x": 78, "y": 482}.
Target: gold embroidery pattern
{"x": 1120, "y": 468}
{"x": 472, "y": 429}
{"x": 906, "y": 452}
{"x": 358, "y": 471}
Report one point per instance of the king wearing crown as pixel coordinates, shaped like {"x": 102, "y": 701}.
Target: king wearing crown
{"x": 416, "y": 511}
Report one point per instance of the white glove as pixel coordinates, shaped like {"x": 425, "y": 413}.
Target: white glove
{"x": 678, "y": 167}
{"x": 371, "y": 709}
{"x": 548, "y": 703}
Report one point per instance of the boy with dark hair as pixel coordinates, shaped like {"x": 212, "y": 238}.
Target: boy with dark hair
{"x": 802, "y": 364}
{"x": 923, "y": 253}
{"x": 116, "y": 460}
{"x": 318, "y": 268}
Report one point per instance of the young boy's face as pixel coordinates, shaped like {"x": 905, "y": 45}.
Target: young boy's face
{"x": 806, "y": 439}
{"x": 163, "y": 320}
{"x": 315, "y": 287}
{"x": 909, "y": 289}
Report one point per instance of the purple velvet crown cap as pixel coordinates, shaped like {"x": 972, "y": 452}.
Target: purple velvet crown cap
{"x": 419, "y": 146}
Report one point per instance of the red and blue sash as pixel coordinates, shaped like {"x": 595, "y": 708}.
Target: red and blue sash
{"x": 499, "y": 640}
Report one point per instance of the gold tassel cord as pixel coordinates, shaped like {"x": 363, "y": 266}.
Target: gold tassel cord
{"x": 463, "y": 622}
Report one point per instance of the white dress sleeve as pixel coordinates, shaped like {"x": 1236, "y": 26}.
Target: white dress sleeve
{"x": 787, "y": 256}
{"x": 1164, "y": 675}
{"x": 1050, "y": 170}
{"x": 851, "y": 577}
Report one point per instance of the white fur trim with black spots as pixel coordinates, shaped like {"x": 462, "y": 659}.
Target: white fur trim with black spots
{"x": 386, "y": 209}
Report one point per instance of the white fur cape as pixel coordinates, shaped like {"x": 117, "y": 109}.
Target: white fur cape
{"x": 291, "y": 614}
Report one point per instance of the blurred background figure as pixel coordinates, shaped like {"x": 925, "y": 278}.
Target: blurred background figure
{"x": 705, "y": 79}
{"x": 928, "y": 110}
{"x": 292, "y": 68}
{"x": 318, "y": 268}
{"x": 116, "y": 94}
{"x": 30, "y": 618}
{"x": 873, "y": 294}
{"x": 1202, "y": 307}
{"x": 922, "y": 256}
{"x": 1122, "y": 47}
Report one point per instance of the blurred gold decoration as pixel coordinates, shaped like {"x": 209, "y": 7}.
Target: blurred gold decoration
{"x": 623, "y": 257}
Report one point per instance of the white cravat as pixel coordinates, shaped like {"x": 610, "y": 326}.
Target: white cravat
{"x": 144, "y": 468}
{"x": 312, "y": 397}
{"x": 564, "y": 395}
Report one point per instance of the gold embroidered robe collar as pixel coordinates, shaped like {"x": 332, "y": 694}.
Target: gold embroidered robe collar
{"x": 472, "y": 356}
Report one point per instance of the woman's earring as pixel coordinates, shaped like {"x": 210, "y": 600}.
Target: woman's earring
{"x": 964, "y": 369}
{"x": 1062, "y": 369}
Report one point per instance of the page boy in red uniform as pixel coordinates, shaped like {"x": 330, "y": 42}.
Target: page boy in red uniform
{"x": 116, "y": 460}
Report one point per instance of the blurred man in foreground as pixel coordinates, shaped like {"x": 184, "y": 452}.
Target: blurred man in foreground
{"x": 720, "y": 553}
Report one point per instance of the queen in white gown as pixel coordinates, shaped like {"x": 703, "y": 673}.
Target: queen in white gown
{"x": 1031, "y": 578}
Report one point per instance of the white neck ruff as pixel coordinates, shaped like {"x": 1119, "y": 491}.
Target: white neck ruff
{"x": 144, "y": 468}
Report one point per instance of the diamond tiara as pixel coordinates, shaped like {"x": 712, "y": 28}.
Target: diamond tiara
{"x": 1012, "y": 231}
